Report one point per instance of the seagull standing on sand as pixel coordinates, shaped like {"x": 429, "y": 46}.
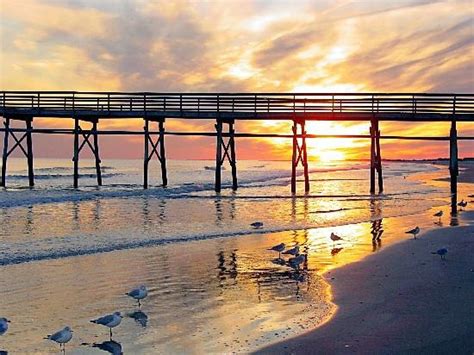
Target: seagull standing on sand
{"x": 3, "y": 325}
{"x": 438, "y": 214}
{"x": 138, "y": 293}
{"x": 293, "y": 251}
{"x": 279, "y": 248}
{"x": 462, "y": 204}
{"x": 256, "y": 225}
{"x": 414, "y": 231}
{"x": 335, "y": 237}
{"x": 441, "y": 252}
{"x": 61, "y": 337}
{"x": 110, "y": 321}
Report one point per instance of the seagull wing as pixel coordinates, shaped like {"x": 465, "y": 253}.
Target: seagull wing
{"x": 134, "y": 293}
{"x": 104, "y": 320}
{"x": 56, "y": 336}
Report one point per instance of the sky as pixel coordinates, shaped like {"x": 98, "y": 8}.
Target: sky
{"x": 242, "y": 46}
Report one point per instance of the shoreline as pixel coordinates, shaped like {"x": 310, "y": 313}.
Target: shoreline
{"x": 429, "y": 312}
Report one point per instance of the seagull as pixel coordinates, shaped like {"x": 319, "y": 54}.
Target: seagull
{"x": 279, "y": 248}
{"x": 414, "y": 231}
{"x": 297, "y": 260}
{"x": 293, "y": 251}
{"x": 3, "y": 325}
{"x": 256, "y": 225}
{"x": 462, "y": 204}
{"x": 438, "y": 214}
{"x": 61, "y": 337}
{"x": 110, "y": 321}
{"x": 441, "y": 252}
{"x": 335, "y": 237}
{"x": 138, "y": 293}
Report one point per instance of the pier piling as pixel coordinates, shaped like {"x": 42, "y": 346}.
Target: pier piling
{"x": 159, "y": 152}
{"x": 6, "y": 125}
{"x": 453, "y": 165}
{"x": 28, "y": 151}
{"x": 225, "y": 150}
{"x": 94, "y": 147}
{"x": 375, "y": 158}
{"x": 299, "y": 155}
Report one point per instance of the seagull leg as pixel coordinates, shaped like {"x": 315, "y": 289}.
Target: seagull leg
{"x": 139, "y": 304}
{"x": 110, "y": 329}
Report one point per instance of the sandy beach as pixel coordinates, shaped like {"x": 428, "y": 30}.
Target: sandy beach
{"x": 403, "y": 300}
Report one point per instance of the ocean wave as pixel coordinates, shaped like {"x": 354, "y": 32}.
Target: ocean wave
{"x": 62, "y": 176}
{"x": 58, "y": 169}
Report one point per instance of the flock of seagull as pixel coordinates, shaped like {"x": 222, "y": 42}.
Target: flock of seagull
{"x": 110, "y": 321}
{"x": 297, "y": 258}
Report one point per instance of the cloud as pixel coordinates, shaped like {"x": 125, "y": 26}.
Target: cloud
{"x": 235, "y": 46}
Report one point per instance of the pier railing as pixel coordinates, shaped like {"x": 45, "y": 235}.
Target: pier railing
{"x": 241, "y": 106}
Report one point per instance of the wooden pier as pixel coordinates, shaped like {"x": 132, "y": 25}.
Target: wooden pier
{"x": 225, "y": 109}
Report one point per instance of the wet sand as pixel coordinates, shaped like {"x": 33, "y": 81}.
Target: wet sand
{"x": 403, "y": 300}
{"x": 227, "y": 295}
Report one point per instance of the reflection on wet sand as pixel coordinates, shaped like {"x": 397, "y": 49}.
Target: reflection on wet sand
{"x": 139, "y": 317}
{"x": 110, "y": 346}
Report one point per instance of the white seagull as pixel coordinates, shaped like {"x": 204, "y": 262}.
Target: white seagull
{"x": 110, "y": 321}
{"x": 335, "y": 237}
{"x": 414, "y": 231}
{"x": 138, "y": 293}
{"x": 279, "y": 248}
{"x": 441, "y": 252}
{"x": 61, "y": 337}
{"x": 256, "y": 225}
{"x": 293, "y": 251}
{"x": 3, "y": 325}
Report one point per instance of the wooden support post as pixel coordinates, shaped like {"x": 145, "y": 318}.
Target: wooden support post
{"x": 375, "y": 158}
{"x": 379, "y": 157}
{"x": 75, "y": 158}
{"x": 146, "y": 155}
{"x": 217, "y": 186}
{"x": 164, "y": 177}
{"x": 29, "y": 150}
{"x": 305, "y": 158}
{"x": 96, "y": 153}
{"x": 372, "y": 158}
{"x": 453, "y": 165}
{"x": 293, "y": 159}
{"x": 300, "y": 154}
{"x": 6, "y": 124}
{"x": 232, "y": 160}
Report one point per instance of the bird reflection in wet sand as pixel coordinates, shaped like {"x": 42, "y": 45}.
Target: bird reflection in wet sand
{"x": 227, "y": 272}
{"x": 335, "y": 251}
{"x": 376, "y": 230}
{"x": 110, "y": 346}
{"x": 140, "y": 318}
